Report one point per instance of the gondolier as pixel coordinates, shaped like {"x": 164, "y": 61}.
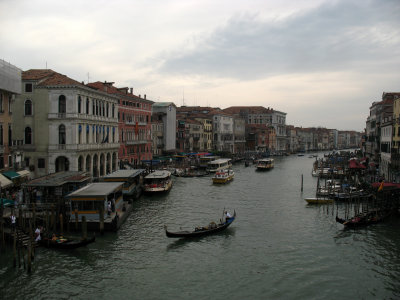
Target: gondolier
{"x": 201, "y": 231}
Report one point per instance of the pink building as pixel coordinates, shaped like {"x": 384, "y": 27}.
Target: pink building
{"x": 134, "y": 123}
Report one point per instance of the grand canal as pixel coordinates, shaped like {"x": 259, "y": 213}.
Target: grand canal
{"x": 277, "y": 248}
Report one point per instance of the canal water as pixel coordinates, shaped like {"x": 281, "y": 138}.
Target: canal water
{"x": 278, "y": 248}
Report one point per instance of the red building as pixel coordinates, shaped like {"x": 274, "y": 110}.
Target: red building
{"x": 134, "y": 123}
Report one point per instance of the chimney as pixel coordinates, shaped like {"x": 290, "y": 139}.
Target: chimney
{"x": 144, "y": 96}
{"x": 131, "y": 90}
{"x": 139, "y": 96}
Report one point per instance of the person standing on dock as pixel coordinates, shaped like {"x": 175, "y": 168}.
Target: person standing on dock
{"x": 37, "y": 235}
{"x": 13, "y": 221}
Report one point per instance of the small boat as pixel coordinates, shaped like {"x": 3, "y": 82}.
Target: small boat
{"x": 364, "y": 219}
{"x": 318, "y": 200}
{"x": 158, "y": 181}
{"x": 202, "y": 231}
{"x": 223, "y": 176}
{"x": 61, "y": 242}
{"x": 265, "y": 164}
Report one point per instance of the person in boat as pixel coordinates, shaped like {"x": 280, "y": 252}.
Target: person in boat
{"x": 227, "y": 216}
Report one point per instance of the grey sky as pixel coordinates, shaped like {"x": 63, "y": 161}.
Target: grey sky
{"x": 321, "y": 62}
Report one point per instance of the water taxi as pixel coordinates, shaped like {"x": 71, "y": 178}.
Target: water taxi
{"x": 219, "y": 164}
{"x": 223, "y": 176}
{"x": 204, "y": 160}
{"x": 158, "y": 181}
{"x": 265, "y": 164}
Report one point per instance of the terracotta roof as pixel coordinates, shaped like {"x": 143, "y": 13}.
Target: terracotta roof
{"x": 248, "y": 109}
{"x": 109, "y": 88}
{"x": 47, "y": 77}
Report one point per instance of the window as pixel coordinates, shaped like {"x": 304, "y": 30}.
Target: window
{"x": 79, "y": 104}
{"x": 41, "y": 163}
{"x": 1, "y": 134}
{"x": 28, "y": 107}
{"x": 28, "y": 136}
{"x": 62, "y": 105}
{"x": 9, "y": 134}
{"x": 9, "y": 104}
{"x": 27, "y": 160}
{"x": 28, "y": 88}
{"x": 1, "y": 103}
{"x": 87, "y": 106}
{"x": 61, "y": 134}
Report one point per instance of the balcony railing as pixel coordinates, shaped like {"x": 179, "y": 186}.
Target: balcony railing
{"x": 81, "y": 147}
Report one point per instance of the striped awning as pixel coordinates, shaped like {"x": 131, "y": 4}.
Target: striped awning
{"x": 5, "y": 182}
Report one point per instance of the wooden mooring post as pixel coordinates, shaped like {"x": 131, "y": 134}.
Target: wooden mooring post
{"x": 302, "y": 182}
{"x": 101, "y": 218}
{"x": 61, "y": 224}
{"x": 76, "y": 219}
{"x": 84, "y": 228}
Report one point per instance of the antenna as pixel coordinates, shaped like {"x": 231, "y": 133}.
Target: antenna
{"x": 46, "y": 65}
{"x": 183, "y": 97}
{"x": 88, "y": 77}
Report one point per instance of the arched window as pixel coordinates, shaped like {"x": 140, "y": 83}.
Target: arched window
{"x": 61, "y": 135}
{"x": 62, "y": 105}
{"x": 79, "y": 104}
{"x": 87, "y": 106}
{"x": 107, "y": 108}
{"x": 28, "y": 136}
{"x": 28, "y": 108}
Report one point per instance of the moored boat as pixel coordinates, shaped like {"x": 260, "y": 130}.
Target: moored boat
{"x": 365, "y": 218}
{"x": 158, "y": 181}
{"x": 219, "y": 164}
{"x": 319, "y": 200}
{"x": 265, "y": 164}
{"x": 61, "y": 242}
{"x": 223, "y": 176}
{"x": 202, "y": 231}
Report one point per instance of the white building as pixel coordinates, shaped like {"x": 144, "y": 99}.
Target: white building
{"x": 65, "y": 125}
{"x": 166, "y": 112}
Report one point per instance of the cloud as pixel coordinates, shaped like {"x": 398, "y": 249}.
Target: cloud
{"x": 332, "y": 37}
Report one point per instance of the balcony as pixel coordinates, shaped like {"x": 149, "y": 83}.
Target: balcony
{"x": 138, "y": 142}
{"x": 58, "y": 116}
{"x": 81, "y": 147}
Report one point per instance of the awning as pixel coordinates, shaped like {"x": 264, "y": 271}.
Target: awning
{"x": 24, "y": 173}
{"x": 11, "y": 174}
{"x": 4, "y": 181}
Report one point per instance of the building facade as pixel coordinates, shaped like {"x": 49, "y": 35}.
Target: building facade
{"x": 65, "y": 125}
{"x": 10, "y": 87}
{"x": 166, "y": 113}
{"x": 134, "y": 123}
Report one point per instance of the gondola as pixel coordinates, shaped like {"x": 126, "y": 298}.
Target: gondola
{"x": 202, "y": 231}
{"x": 66, "y": 243}
{"x": 364, "y": 219}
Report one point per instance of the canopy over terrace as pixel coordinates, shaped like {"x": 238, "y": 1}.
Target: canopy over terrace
{"x": 47, "y": 188}
{"x": 5, "y": 182}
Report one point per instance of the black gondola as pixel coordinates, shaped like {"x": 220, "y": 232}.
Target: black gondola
{"x": 201, "y": 231}
{"x": 364, "y": 219}
{"x": 66, "y": 243}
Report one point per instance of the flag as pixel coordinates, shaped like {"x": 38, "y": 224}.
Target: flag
{"x": 381, "y": 186}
